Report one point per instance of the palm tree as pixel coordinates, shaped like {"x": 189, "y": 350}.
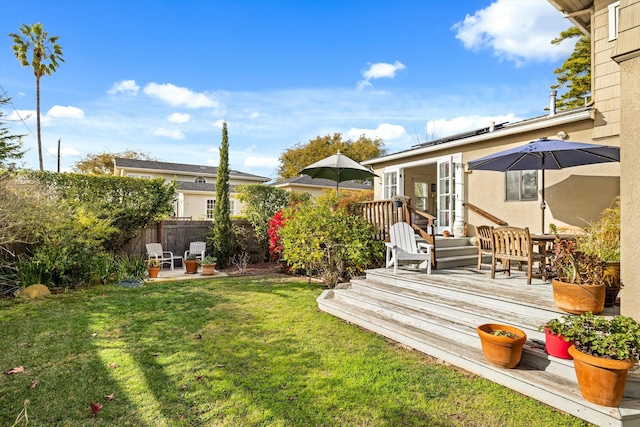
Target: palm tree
{"x": 45, "y": 54}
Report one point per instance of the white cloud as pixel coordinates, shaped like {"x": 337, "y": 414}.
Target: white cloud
{"x": 380, "y": 70}
{"x": 218, "y": 124}
{"x": 169, "y": 133}
{"x": 387, "y": 132}
{"x": 261, "y": 162}
{"x": 446, "y": 127}
{"x": 58, "y": 111}
{"x": 126, "y": 87}
{"x": 64, "y": 151}
{"x": 179, "y": 96}
{"x": 178, "y": 118}
{"x": 518, "y": 31}
{"x": 19, "y": 115}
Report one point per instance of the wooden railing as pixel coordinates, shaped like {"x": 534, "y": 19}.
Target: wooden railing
{"x": 382, "y": 214}
{"x": 485, "y": 214}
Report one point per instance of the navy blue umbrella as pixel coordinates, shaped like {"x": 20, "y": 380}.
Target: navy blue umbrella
{"x": 543, "y": 154}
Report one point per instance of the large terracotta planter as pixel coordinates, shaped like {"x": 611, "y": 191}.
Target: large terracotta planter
{"x": 501, "y": 351}
{"x": 555, "y": 345}
{"x": 601, "y": 381}
{"x": 191, "y": 266}
{"x": 207, "y": 270}
{"x": 578, "y": 299}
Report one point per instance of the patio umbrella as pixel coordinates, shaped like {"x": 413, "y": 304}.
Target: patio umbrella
{"x": 543, "y": 154}
{"x": 338, "y": 168}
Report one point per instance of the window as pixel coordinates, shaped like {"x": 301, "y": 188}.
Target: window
{"x": 200, "y": 180}
{"x": 522, "y": 185}
{"x": 614, "y": 17}
{"x": 211, "y": 204}
{"x": 390, "y": 184}
{"x": 133, "y": 175}
{"x": 421, "y": 191}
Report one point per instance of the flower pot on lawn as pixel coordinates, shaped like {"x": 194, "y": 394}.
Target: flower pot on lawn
{"x": 577, "y": 298}
{"x": 601, "y": 381}
{"x": 191, "y": 266}
{"x": 153, "y": 272}
{"x": 501, "y": 344}
{"x": 556, "y": 345}
{"x": 207, "y": 270}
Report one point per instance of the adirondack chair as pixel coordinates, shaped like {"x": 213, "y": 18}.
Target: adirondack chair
{"x": 403, "y": 247}
{"x": 197, "y": 249}
{"x": 154, "y": 250}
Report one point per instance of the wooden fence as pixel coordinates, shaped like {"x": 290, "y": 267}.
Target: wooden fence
{"x": 175, "y": 236}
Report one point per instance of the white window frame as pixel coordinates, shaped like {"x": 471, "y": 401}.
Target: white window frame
{"x": 614, "y": 19}
{"x": 209, "y": 209}
{"x": 391, "y": 183}
{"x": 200, "y": 179}
{"x": 133, "y": 175}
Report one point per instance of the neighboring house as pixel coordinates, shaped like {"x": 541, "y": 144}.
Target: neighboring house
{"x": 195, "y": 184}
{"x": 574, "y": 195}
{"x": 318, "y": 186}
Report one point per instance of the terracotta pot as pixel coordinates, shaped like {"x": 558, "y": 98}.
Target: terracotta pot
{"x": 207, "y": 270}
{"x": 555, "y": 345}
{"x": 601, "y": 381}
{"x": 578, "y": 299}
{"x": 153, "y": 272}
{"x": 501, "y": 351}
{"x": 446, "y": 233}
{"x": 191, "y": 266}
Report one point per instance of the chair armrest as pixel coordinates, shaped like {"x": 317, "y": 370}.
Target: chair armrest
{"x": 427, "y": 246}
{"x": 390, "y": 245}
{"x": 186, "y": 254}
{"x": 153, "y": 255}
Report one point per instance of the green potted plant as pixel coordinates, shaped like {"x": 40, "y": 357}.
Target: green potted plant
{"x": 191, "y": 264}
{"x": 603, "y": 351}
{"x": 556, "y": 344}
{"x": 602, "y": 238}
{"x": 153, "y": 267}
{"x": 579, "y": 284}
{"x": 208, "y": 264}
{"x": 501, "y": 344}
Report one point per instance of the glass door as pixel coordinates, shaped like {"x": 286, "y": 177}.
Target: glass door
{"x": 446, "y": 185}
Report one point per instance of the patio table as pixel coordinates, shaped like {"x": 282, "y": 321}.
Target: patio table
{"x": 544, "y": 242}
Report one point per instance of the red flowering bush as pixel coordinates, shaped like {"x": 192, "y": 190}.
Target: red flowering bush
{"x": 275, "y": 244}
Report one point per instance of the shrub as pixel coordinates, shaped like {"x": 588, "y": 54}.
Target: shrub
{"x": 337, "y": 245}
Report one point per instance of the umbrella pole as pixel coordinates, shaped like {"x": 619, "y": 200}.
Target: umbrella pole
{"x": 543, "y": 205}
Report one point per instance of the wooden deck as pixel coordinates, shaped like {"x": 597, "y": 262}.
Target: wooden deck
{"x": 438, "y": 314}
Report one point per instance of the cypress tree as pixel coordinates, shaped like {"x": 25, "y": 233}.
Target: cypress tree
{"x": 222, "y": 231}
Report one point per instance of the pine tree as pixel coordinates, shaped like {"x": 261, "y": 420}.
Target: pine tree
{"x": 575, "y": 73}
{"x": 222, "y": 231}
{"x": 10, "y": 145}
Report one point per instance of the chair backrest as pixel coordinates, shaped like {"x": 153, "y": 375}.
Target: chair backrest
{"x": 485, "y": 240}
{"x": 402, "y": 235}
{"x": 512, "y": 243}
{"x": 197, "y": 248}
{"x": 154, "y": 248}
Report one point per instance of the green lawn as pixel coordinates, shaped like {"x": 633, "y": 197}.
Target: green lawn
{"x": 247, "y": 351}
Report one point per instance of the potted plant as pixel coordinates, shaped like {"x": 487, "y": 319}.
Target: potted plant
{"x": 501, "y": 344}
{"x": 579, "y": 284}
{"x": 399, "y": 201}
{"x": 208, "y": 264}
{"x": 556, "y": 344}
{"x": 191, "y": 264}
{"x": 603, "y": 351}
{"x": 602, "y": 238}
{"x": 153, "y": 267}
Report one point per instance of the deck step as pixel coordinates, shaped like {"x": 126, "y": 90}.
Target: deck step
{"x": 438, "y": 315}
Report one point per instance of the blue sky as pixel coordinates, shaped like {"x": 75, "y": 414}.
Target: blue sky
{"x": 160, "y": 76}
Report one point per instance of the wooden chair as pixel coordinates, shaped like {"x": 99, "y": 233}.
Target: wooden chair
{"x": 485, "y": 244}
{"x": 196, "y": 248}
{"x": 403, "y": 247}
{"x": 154, "y": 250}
{"x": 513, "y": 244}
